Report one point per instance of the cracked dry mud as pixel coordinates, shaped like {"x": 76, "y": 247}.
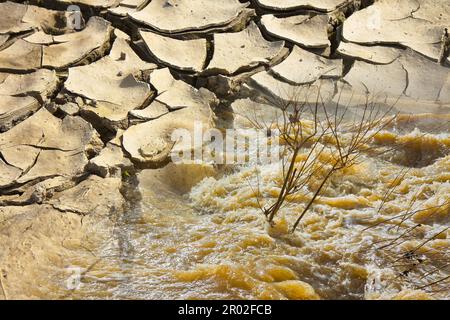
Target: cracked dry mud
{"x": 86, "y": 117}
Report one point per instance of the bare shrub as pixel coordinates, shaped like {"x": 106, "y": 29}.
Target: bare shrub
{"x": 321, "y": 141}
{"x": 318, "y": 143}
{"x": 413, "y": 250}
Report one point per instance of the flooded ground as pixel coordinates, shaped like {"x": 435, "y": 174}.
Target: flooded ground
{"x": 213, "y": 241}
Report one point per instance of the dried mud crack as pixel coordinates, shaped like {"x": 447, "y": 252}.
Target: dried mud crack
{"x": 91, "y": 90}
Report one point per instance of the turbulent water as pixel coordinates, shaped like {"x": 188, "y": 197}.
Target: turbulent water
{"x": 213, "y": 242}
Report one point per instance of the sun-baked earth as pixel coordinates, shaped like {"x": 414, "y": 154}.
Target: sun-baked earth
{"x": 91, "y": 207}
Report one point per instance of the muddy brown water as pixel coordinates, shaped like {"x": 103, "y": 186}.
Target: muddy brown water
{"x": 212, "y": 242}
